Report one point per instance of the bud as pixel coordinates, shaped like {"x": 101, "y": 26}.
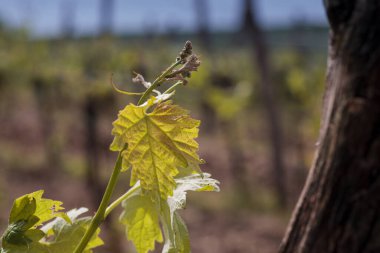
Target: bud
{"x": 186, "y": 51}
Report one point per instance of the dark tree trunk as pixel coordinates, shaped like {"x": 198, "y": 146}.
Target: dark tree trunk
{"x": 47, "y": 96}
{"x": 339, "y": 209}
{"x": 252, "y": 29}
{"x": 203, "y": 33}
{"x": 93, "y": 178}
{"x": 94, "y": 107}
{"x": 202, "y": 17}
{"x": 106, "y": 15}
{"x": 237, "y": 162}
{"x": 68, "y": 14}
{"x": 209, "y": 117}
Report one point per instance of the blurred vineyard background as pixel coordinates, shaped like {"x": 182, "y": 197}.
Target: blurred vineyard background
{"x": 258, "y": 93}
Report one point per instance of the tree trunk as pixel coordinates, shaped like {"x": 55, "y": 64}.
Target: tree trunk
{"x": 93, "y": 179}
{"x": 47, "y": 96}
{"x": 67, "y": 19}
{"x": 339, "y": 209}
{"x": 236, "y": 159}
{"x": 202, "y": 17}
{"x": 106, "y": 15}
{"x": 267, "y": 93}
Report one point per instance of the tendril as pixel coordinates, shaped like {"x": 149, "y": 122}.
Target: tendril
{"x": 122, "y": 91}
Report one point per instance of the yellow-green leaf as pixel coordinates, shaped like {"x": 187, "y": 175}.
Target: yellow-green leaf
{"x": 176, "y": 234}
{"x": 33, "y": 204}
{"x": 27, "y": 214}
{"x": 141, "y": 218}
{"x": 160, "y": 143}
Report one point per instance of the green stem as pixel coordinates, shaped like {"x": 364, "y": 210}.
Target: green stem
{"x": 173, "y": 87}
{"x": 100, "y": 214}
{"x": 103, "y": 211}
{"x": 120, "y": 199}
{"x": 157, "y": 82}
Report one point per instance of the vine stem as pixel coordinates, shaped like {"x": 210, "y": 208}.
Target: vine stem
{"x": 100, "y": 214}
{"x": 103, "y": 211}
{"x": 157, "y": 82}
{"x": 173, "y": 87}
{"x": 120, "y": 199}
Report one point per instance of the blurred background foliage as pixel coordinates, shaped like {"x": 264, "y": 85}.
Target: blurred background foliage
{"x": 57, "y": 106}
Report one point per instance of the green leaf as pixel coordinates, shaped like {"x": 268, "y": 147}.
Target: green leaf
{"x": 141, "y": 215}
{"x": 182, "y": 240}
{"x": 195, "y": 182}
{"x": 23, "y": 209}
{"x": 176, "y": 233}
{"x": 61, "y": 235}
{"x": 66, "y": 236}
{"x": 141, "y": 218}
{"x": 159, "y": 142}
{"x": 28, "y": 212}
{"x": 32, "y": 204}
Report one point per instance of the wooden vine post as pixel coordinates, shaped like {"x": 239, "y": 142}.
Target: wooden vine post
{"x": 339, "y": 209}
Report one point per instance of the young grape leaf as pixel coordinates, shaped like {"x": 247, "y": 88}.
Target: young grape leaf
{"x": 177, "y": 240}
{"x": 33, "y": 204}
{"x": 176, "y": 233}
{"x": 67, "y": 235}
{"x": 64, "y": 231}
{"x": 141, "y": 218}
{"x": 195, "y": 182}
{"x": 28, "y": 212}
{"x": 141, "y": 215}
{"x": 159, "y": 142}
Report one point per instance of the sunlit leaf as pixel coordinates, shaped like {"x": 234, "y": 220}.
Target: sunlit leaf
{"x": 28, "y": 212}
{"x": 142, "y": 214}
{"x": 141, "y": 218}
{"x": 66, "y": 236}
{"x": 159, "y": 143}
{"x": 196, "y": 182}
{"x": 177, "y": 236}
{"x": 25, "y": 233}
{"x": 182, "y": 240}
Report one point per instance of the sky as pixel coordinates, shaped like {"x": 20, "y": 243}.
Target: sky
{"x": 45, "y": 17}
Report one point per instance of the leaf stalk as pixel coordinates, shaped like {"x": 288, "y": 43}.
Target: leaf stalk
{"x": 100, "y": 214}
{"x": 159, "y": 80}
{"x": 118, "y": 201}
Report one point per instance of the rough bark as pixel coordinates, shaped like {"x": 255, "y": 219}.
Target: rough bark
{"x": 339, "y": 209}
{"x": 252, "y": 28}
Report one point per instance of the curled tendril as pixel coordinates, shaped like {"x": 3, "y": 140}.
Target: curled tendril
{"x": 122, "y": 91}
